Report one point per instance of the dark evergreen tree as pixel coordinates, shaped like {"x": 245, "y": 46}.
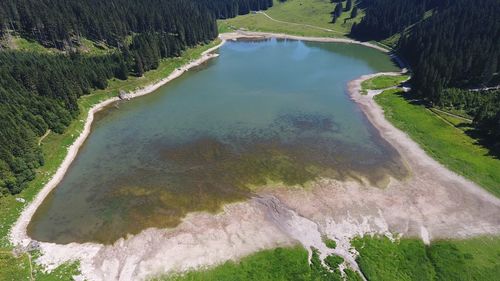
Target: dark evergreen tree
{"x": 354, "y": 12}
{"x": 384, "y": 18}
{"x": 348, "y": 5}
{"x": 337, "y": 12}
{"x": 40, "y": 92}
{"x": 122, "y": 71}
{"x": 456, "y": 47}
{"x": 338, "y": 9}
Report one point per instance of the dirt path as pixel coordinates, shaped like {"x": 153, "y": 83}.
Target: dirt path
{"x": 43, "y": 137}
{"x": 453, "y": 115}
{"x": 31, "y": 266}
{"x": 485, "y": 89}
{"x": 432, "y": 203}
{"x": 300, "y": 24}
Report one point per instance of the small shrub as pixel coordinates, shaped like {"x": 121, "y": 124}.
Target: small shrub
{"x": 333, "y": 261}
{"x": 329, "y": 242}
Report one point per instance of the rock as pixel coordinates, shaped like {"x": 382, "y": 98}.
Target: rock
{"x": 20, "y": 249}
{"x": 19, "y": 199}
{"x": 33, "y": 246}
{"x": 122, "y": 94}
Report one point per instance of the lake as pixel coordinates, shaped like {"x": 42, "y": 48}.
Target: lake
{"x": 273, "y": 112}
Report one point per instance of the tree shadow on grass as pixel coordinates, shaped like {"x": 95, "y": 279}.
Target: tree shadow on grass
{"x": 490, "y": 144}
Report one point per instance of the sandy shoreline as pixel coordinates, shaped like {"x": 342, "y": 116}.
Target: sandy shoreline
{"x": 433, "y": 203}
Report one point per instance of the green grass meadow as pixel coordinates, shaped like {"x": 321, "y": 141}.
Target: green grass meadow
{"x": 279, "y": 264}
{"x": 383, "y": 82}
{"x": 380, "y": 259}
{"x": 299, "y": 12}
{"x": 476, "y": 259}
{"x": 26, "y": 45}
{"x": 448, "y": 144}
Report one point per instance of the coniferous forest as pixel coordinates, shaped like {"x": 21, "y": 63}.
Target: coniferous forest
{"x": 452, "y": 46}
{"x": 40, "y": 91}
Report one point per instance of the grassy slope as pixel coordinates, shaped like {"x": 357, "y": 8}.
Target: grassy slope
{"x": 18, "y": 268}
{"x": 277, "y": 264}
{"x": 461, "y": 123}
{"x": 409, "y": 259}
{"x": 25, "y": 45}
{"x": 55, "y": 146}
{"x": 383, "y": 81}
{"x": 379, "y": 259}
{"x": 311, "y": 12}
{"x": 393, "y": 40}
{"x": 445, "y": 143}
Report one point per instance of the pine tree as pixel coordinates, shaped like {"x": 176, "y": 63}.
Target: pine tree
{"x": 354, "y": 12}
{"x": 334, "y": 18}
{"x": 139, "y": 65}
{"x": 348, "y": 5}
{"x": 338, "y": 10}
{"x": 122, "y": 71}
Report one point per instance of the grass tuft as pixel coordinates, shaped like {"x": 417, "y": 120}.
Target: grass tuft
{"x": 329, "y": 242}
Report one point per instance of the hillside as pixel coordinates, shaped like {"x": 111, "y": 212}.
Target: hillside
{"x": 57, "y": 51}
{"x": 451, "y": 46}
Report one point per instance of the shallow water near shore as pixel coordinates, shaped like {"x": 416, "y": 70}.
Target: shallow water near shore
{"x": 263, "y": 111}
